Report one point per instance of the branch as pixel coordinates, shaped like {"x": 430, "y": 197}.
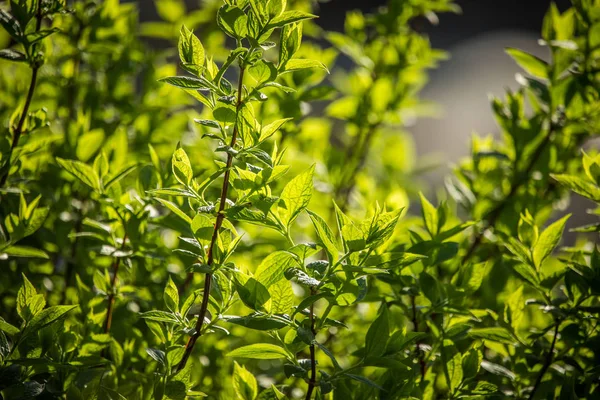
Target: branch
{"x": 415, "y": 322}
{"x": 547, "y": 363}
{"x": 313, "y": 362}
{"x": 218, "y": 223}
{"x": 113, "y": 282}
{"x": 495, "y": 213}
{"x": 19, "y": 129}
{"x": 343, "y": 191}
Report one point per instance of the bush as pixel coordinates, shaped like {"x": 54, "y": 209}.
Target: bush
{"x": 265, "y": 251}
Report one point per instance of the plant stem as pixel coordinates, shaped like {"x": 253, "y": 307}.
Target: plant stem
{"x": 360, "y": 147}
{"x": 495, "y": 213}
{"x": 547, "y": 363}
{"x": 113, "y": 282}
{"x": 219, "y": 221}
{"x": 312, "y": 382}
{"x": 71, "y": 262}
{"x": 19, "y": 129}
{"x": 415, "y": 322}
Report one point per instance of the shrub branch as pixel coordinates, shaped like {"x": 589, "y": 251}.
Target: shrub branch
{"x": 35, "y": 66}
{"x": 312, "y": 382}
{"x": 547, "y": 363}
{"x": 218, "y": 223}
{"x": 492, "y": 217}
{"x": 113, "y": 283}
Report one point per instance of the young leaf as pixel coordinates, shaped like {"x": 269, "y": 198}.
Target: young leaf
{"x": 430, "y": 216}
{"x": 296, "y": 64}
{"x": 272, "y": 268}
{"x": 185, "y": 82}
{"x": 378, "y": 335}
{"x": 259, "y": 351}
{"x": 182, "y": 169}
{"x": 296, "y": 196}
{"x": 46, "y": 317}
{"x": 530, "y": 63}
{"x": 81, "y": 171}
{"x": 171, "y": 296}
{"x": 326, "y": 238}
{"x": 289, "y": 17}
{"x": 24, "y": 251}
{"x": 233, "y": 21}
{"x": 244, "y": 383}
{"x": 548, "y": 240}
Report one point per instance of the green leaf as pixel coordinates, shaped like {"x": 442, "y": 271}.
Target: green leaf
{"x": 185, "y": 82}
{"x": 190, "y": 48}
{"x": 297, "y": 64}
{"x": 171, "y": 296}
{"x": 548, "y": 240}
{"x": 259, "y": 351}
{"x": 295, "y": 196}
{"x": 355, "y": 239}
{"x": 262, "y": 72}
{"x": 48, "y": 316}
{"x": 157, "y": 355}
{"x": 495, "y": 334}
{"x": 119, "y": 175}
{"x": 8, "y": 328}
{"x": 176, "y": 210}
{"x": 579, "y": 186}
{"x": 282, "y": 297}
{"x": 244, "y": 383}
{"x": 453, "y": 365}
{"x": 288, "y": 17}
{"x": 13, "y": 55}
{"x": 11, "y": 25}
{"x": 253, "y": 293}
{"x": 378, "y": 335}
{"x": 81, "y": 171}
{"x": 29, "y": 302}
{"x": 182, "y": 168}
{"x": 430, "y": 216}
{"x": 365, "y": 380}
{"x": 233, "y": 21}
{"x": 530, "y": 63}
{"x": 258, "y": 322}
{"x": 170, "y": 10}
{"x": 326, "y": 238}
{"x": 24, "y": 251}
{"x": 269, "y": 130}
{"x": 471, "y": 361}
{"x": 393, "y": 260}
{"x": 272, "y": 268}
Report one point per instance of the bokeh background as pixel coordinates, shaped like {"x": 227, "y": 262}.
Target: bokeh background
{"x": 460, "y": 88}
{"x": 478, "y": 66}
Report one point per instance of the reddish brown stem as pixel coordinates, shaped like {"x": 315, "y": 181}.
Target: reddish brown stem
{"x": 113, "y": 283}
{"x": 210, "y": 255}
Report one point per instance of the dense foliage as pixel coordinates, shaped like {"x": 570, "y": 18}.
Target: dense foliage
{"x": 235, "y": 224}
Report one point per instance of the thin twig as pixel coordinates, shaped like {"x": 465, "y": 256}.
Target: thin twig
{"x": 210, "y": 255}
{"x": 113, "y": 283}
{"x": 415, "y": 322}
{"x": 492, "y": 217}
{"x": 547, "y": 363}
{"x": 360, "y": 147}
{"x": 19, "y": 129}
{"x": 312, "y": 382}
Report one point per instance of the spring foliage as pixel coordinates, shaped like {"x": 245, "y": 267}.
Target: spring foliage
{"x": 239, "y": 217}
